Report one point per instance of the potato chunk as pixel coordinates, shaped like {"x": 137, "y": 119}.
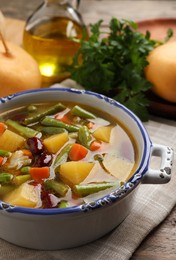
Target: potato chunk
{"x": 55, "y": 142}
{"x": 25, "y": 195}
{"x": 75, "y": 172}
{"x": 118, "y": 167}
{"x": 103, "y": 133}
{"x": 11, "y": 141}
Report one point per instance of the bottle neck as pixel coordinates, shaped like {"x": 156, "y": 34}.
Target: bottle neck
{"x": 74, "y": 3}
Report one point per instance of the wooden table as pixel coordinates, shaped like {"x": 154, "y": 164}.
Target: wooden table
{"x": 161, "y": 243}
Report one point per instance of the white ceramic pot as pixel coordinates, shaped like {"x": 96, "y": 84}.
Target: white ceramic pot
{"x": 51, "y": 229}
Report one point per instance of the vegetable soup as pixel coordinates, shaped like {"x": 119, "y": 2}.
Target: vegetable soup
{"x": 55, "y": 155}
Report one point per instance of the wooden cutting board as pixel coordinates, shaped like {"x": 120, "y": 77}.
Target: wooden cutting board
{"x": 14, "y": 30}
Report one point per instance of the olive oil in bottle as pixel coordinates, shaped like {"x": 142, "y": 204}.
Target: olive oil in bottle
{"x": 52, "y": 41}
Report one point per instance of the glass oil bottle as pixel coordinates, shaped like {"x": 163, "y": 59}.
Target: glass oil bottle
{"x": 51, "y": 36}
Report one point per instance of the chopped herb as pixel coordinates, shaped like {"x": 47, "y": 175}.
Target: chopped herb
{"x": 114, "y": 64}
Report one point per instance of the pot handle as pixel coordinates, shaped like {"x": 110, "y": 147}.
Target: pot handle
{"x": 163, "y": 174}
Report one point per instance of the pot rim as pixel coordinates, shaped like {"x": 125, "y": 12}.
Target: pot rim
{"x": 115, "y": 195}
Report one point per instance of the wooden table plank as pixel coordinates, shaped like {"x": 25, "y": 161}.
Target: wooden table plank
{"x": 128, "y": 9}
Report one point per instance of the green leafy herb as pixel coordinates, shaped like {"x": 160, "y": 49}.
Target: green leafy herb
{"x": 113, "y": 63}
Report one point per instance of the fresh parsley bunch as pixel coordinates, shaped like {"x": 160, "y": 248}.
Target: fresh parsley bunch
{"x": 113, "y": 63}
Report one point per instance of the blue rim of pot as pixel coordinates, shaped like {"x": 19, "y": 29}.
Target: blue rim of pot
{"x": 114, "y": 195}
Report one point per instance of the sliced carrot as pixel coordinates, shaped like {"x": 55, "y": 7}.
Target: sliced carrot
{"x": 95, "y": 145}
{"x": 64, "y": 118}
{"x": 27, "y": 153}
{"x": 3, "y": 127}
{"x": 77, "y": 152}
{"x": 1, "y": 160}
{"x": 39, "y": 173}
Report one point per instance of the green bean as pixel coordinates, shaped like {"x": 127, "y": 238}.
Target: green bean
{"x": 53, "y": 122}
{"x": 63, "y": 204}
{"x": 83, "y": 190}
{"x": 78, "y": 111}
{"x": 50, "y": 111}
{"x": 84, "y": 136}
{"x": 5, "y": 189}
{"x": 22, "y": 130}
{"x": 4, "y": 153}
{"x": 5, "y": 177}
{"x": 51, "y": 130}
{"x": 62, "y": 156}
{"x": 25, "y": 170}
{"x": 18, "y": 180}
{"x": 58, "y": 187}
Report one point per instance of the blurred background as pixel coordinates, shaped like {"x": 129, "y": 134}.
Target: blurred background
{"x": 129, "y": 9}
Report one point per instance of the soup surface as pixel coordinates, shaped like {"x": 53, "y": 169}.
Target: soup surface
{"x": 55, "y": 155}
